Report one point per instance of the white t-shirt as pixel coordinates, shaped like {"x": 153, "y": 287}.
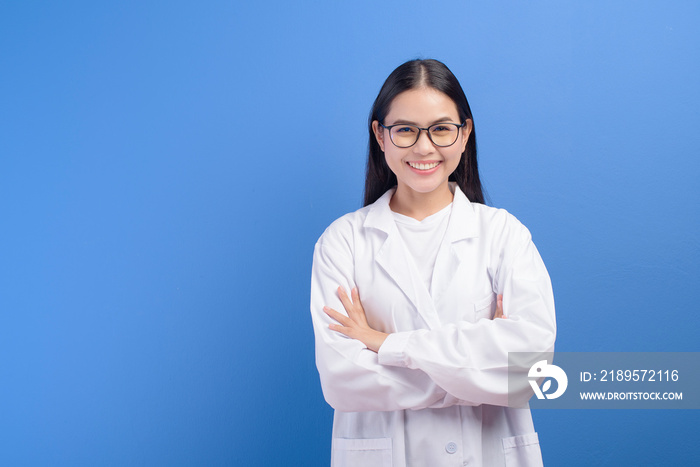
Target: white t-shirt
{"x": 423, "y": 239}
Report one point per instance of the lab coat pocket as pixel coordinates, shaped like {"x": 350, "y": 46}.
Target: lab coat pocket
{"x": 375, "y": 452}
{"x": 485, "y": 308}
{"x": 522, "y": 451}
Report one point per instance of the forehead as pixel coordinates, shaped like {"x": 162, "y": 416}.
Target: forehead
{"x": 421, "y": 105}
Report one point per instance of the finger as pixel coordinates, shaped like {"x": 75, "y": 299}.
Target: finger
{"x": 347, "y": 303}
{"x": 345, "y": 300}
{"x": 347, "y": 332}
{"x": 356, "y": 299}
{"x": 339, "y": 317}
{"x": 359, "y": 316}
{"x": 357, "y": 303}
{"x": 499, "y": 307}
{"x": 355, "y": 295}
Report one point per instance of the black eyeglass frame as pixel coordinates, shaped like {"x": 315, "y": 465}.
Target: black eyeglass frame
{"x": 427, "y": 130}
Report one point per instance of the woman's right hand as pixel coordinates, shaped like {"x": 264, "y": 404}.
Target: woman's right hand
{"x": 499, "y": 308}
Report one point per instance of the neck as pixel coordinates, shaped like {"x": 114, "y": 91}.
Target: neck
{"x": 420, "y": 205}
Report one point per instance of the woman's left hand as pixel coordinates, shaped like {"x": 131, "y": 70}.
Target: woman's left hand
{"x": 354, "y": 325}
{"x": 499, "y": 308}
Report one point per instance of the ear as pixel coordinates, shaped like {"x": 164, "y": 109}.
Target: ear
{"x": 378, "y": 133}
{"x": 466, "y": 132}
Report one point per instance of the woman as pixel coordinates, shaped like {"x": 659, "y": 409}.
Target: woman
{"x": 413, "y": 361}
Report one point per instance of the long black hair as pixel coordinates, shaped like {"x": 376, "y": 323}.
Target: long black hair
{"x": 411, "y": 75}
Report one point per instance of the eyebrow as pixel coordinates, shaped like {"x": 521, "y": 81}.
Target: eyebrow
{"x": 408, "y": 122}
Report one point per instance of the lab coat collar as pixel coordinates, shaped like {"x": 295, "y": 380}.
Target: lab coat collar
{"x": 462, "y": 225}
{"x": 379, "y": 215}
{"x": 463, "y": 221}
{"x": 392, "y": 256}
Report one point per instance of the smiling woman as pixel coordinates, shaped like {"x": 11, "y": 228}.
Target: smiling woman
{"x": 415, "y": 360}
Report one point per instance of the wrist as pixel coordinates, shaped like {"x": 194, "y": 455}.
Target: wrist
{"x": 377, "y": 341}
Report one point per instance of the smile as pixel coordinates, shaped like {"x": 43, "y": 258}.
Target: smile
{"x": 421, "y": 166}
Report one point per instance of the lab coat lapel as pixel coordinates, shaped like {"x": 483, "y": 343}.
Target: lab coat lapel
{"x": 452, "y": 252}
{"x": 393, "y": 258}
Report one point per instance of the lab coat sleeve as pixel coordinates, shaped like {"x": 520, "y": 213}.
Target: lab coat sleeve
{"x": 470, "y": 360}
{"x": 351, "y": 376}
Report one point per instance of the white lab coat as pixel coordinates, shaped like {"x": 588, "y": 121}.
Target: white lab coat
{"x": 436, "y": 393}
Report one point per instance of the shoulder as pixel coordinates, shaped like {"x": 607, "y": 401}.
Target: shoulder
{"x": 499, "y": 224}
{"x": 490, "y": 224}
{"x": 354, "y": 227}
{"x": 341, "y": 233}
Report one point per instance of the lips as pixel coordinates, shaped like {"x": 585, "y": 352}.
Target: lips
{"x": 423, "y": 165}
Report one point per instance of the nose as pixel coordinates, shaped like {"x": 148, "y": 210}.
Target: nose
{"x": 423, "y": 145}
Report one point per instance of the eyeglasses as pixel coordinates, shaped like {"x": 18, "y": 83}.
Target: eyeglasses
{"x": 441, "y": 134}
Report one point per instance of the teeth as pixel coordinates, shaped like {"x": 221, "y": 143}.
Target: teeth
{"x": 419, "y": 166}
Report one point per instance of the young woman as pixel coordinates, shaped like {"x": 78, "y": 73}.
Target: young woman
{"x": 405, "y": 293}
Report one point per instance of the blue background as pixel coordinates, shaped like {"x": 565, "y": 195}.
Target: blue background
{"x": 166, "y": 167}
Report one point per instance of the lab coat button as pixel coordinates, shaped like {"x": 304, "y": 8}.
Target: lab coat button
{"x": 451, "y": 448}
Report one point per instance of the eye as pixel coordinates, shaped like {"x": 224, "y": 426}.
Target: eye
{"x": 404, "y": 129}
{"x": 442, "y": 128}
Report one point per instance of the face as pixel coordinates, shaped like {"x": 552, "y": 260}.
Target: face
{"x": 422, "y": 168}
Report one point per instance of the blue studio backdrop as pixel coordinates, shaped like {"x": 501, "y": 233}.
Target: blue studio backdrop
{"x": 166, "y": 168}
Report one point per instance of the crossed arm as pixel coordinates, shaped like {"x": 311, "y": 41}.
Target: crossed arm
{"x": 460, "y": 363}
{"x": 355, "y": 326}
